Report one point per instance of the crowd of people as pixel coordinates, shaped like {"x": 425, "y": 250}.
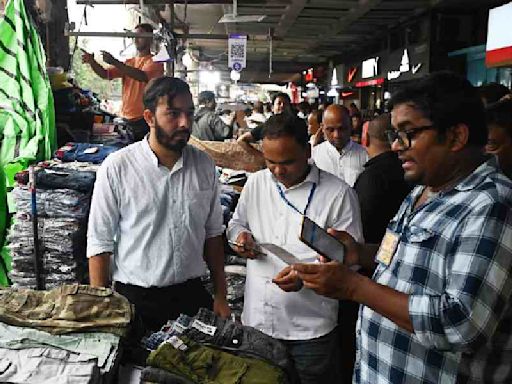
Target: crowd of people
{"x": 422, "y": 208}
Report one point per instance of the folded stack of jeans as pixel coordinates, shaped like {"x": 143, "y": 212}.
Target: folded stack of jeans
{"x": 86, "y": 152}
{"x": 207, "y": 329}
{"x": 228, "y": 200}
{"x": 204, "y": 364}
{"x": 235, "y": 281}
{"x": 60, "y": 178}
{"x": 61, "y": 243}
{"x": 62, "y": 200}
{"x": 161, "y": 376}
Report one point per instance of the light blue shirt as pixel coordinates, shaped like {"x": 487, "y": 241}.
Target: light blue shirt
{"x": 154, "y": 220}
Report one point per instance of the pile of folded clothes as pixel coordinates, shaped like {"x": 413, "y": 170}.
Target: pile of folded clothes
{"x": 85, "y": 152}
{"x": 235, "y": 271}
{"x": 62, "y": 201}
{"x": 208, "y": 349}
{"x": 228, "y": 199}
{"x": 70, "y": 334}
{"x": 233, "y": 177}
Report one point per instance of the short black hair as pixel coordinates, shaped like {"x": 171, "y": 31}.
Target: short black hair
{"x": 163, "y": 86}
{"x": 446, "y": 99}
{"x": 492, "y": 92}
{"x": 500, "y": 114}
{"x": 286, "y": 125}
{"x": 283, "y": 96}
{"x": 145, "y": 27}
{"x": 206, "y": 97}
{"x": 377, "y": 127}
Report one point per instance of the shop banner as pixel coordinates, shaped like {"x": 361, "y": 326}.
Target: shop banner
{"x": 499, "y": 37}
{"x": 237, "y": 52}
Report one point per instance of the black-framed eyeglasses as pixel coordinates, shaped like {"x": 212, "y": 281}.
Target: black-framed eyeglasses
{"x": 405, "y": 137}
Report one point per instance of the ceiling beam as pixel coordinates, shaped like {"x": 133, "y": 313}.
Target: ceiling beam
{"x": 289, "y": 17}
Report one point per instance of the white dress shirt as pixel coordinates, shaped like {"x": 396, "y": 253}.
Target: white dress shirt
{"x": 154, "y": 220}
{"x": 263, "y": 212}
{"x": 347, "y": 165}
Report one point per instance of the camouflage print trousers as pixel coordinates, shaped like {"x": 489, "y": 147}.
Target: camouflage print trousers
{"x": 68, "y": 308}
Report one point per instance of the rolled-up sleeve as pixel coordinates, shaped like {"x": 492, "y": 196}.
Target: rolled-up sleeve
{"x": 104, "y": 214}
{"x": 478, "y": 288}
{"x": 214, "y": 226}
{"x": 214, "y": 223}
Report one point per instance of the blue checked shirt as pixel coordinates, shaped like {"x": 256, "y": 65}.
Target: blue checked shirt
{"x": 454, "y": 260}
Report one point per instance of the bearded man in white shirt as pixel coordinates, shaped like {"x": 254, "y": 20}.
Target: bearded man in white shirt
{"x": 156, "y": 221}
{"x": 270, "y": 210}
{"x": 339, "y": 155}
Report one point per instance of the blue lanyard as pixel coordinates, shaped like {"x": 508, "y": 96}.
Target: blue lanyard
{"x": 311, "y": 193}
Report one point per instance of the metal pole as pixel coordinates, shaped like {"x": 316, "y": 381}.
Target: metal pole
{"x": 37, "y": 251}
{"x": 270, "y": 55}
{"x": 173, "y": 41}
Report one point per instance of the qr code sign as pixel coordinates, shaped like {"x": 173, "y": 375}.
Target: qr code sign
{"x": 237, "y": 51}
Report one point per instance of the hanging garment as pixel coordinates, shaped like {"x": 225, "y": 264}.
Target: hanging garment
{"x": 27, "y": 116}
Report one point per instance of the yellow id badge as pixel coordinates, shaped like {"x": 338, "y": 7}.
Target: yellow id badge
{"x": 387, "y": 247}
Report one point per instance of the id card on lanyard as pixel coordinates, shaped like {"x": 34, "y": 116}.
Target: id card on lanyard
{"x": 291, "y": 205}
{"x": 387, "y": 248}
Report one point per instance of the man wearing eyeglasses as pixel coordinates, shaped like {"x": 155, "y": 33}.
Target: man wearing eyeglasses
{"x": 156, "y": 221}
{"x": 438, "y": 308}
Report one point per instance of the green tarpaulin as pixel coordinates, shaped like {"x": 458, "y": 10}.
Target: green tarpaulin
{"x": 5, "y": 259}
{"x": 27, "y": 117}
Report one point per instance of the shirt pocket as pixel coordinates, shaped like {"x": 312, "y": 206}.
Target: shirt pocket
{"x": 198, "y": 208}
{"x": 27, "y": 306}
{"x": 420, "y": 260}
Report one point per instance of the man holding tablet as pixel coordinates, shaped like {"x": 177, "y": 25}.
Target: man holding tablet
{"x": 270, "y": 211}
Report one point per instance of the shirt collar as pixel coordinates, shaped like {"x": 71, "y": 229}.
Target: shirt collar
{"x": 154, "y": 160}
{"x": 478, "y": 176}
{"x": 472, "y": 181}
{"x": 346, "y": 149}
{"x": 313, "y": 177}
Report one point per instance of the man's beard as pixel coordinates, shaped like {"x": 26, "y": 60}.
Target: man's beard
{"x": 166, "y": 140}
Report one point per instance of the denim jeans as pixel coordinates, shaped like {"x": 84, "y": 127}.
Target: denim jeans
{"x": 316, "y": 360}
{"x": 239, "y": 339}
{"x": 203, "y": 364}
{"x": 160, "y": 376}
{"x": 80, "y": 152}
{"x": 82, "y": 181}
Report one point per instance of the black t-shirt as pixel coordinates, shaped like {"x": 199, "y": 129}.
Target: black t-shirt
{"x": 380, "y": 188}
